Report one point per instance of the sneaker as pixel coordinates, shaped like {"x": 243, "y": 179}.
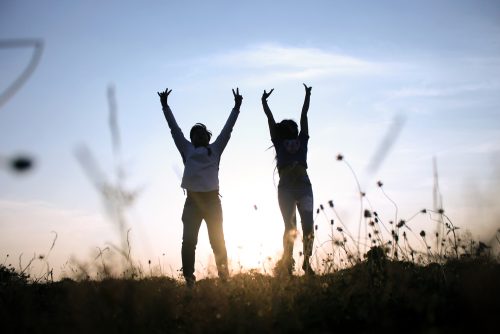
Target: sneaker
{"x": 223, "y": 273}
{"x": 308, "y": 270}
{"x": 190, "y": 281}
{"x": 284, "y": 267}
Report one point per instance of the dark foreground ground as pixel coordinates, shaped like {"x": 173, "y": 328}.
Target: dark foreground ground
{"x": 458, "y": 297}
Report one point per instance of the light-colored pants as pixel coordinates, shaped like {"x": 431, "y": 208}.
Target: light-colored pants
{"x": 290, "y": 199}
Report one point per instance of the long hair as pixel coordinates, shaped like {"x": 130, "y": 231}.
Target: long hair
{"x": 287, "y": 129}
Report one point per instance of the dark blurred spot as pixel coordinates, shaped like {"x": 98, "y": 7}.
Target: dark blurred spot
{"x": 21, "y": 164}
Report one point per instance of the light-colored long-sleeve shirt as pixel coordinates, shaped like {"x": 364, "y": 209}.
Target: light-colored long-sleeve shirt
{"x": 201, "y": 170}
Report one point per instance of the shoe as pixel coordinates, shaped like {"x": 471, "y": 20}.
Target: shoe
{"x": 223, "y": 273}
{"x": 190, "y": 281}
{"x": 308, "y": 270}
{"x": 284, "y": 267}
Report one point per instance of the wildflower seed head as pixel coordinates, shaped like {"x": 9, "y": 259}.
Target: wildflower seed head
{"x": 363, "y": 194}
{"x": 316, "y": 227}
{"x": 330, "y": 203}
{"x": 379, "y": 183}
{"x": 340, "y": 229}
{"x": 376, "y": 220}
{"x": 401, "y": 223}
{"x": 441, "y": 211}
{"x": 423, "y": 211}
{"x": 340, "y": 157}
{"x": 422, "y": 234}
{"x": 317, "y": 211}
{"x": 371, "y": 223}
{"x": 331, "y": 221}
{"x": 367, "y": 214}
{"x": 321, "y": 207}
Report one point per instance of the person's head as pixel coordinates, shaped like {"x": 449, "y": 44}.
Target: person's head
{"x": 287, "y": 129}
{"x": 199, "y": 135}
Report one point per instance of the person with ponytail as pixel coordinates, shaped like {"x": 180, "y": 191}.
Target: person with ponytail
{"x": 294, "y": 187}
{"x": 201, "y": 182}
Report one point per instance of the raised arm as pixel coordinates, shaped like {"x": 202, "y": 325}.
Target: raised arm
{"x": 269, "y": 114}
{"x": 304, "y": 126}
{"x": 223, "y": 138}
{"x": 180, "y": 141}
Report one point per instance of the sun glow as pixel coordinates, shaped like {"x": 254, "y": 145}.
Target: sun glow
{"x": 253, "y": 231}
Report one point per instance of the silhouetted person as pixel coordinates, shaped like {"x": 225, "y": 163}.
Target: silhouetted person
{"x": 294, "y": 188}
{"x": 201, "y": 181}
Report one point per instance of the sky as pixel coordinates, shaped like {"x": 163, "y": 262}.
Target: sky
{"x": 396, "y": 84}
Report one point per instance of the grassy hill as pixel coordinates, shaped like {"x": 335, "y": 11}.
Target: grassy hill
{"x": 373, "y": 296}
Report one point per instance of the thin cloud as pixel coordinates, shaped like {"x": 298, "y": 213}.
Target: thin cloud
{"x": 270, "y": 63}
{"x": 442, "y": 91}
{"x": 19, "y": 212}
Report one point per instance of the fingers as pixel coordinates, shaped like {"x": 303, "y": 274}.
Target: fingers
{"x": 265, "y": 95}
{"x": 164, "y": 94}
{"x": 236, "y": 93}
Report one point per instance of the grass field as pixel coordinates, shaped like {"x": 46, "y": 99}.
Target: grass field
{"x": 373, "y": 296}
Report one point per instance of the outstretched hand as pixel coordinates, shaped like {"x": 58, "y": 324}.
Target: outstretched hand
{"x": 237, "y": 98}
{"x": 164, "y": 97}
{"x": 308, "y": 89}
{"x": 265, "y": 95}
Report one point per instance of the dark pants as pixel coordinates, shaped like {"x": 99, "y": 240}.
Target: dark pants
{"x": 203, "y": 206}
{"x": 289, "y": 199}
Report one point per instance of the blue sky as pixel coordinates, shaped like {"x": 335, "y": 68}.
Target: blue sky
{"x": 436, "y": 64}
